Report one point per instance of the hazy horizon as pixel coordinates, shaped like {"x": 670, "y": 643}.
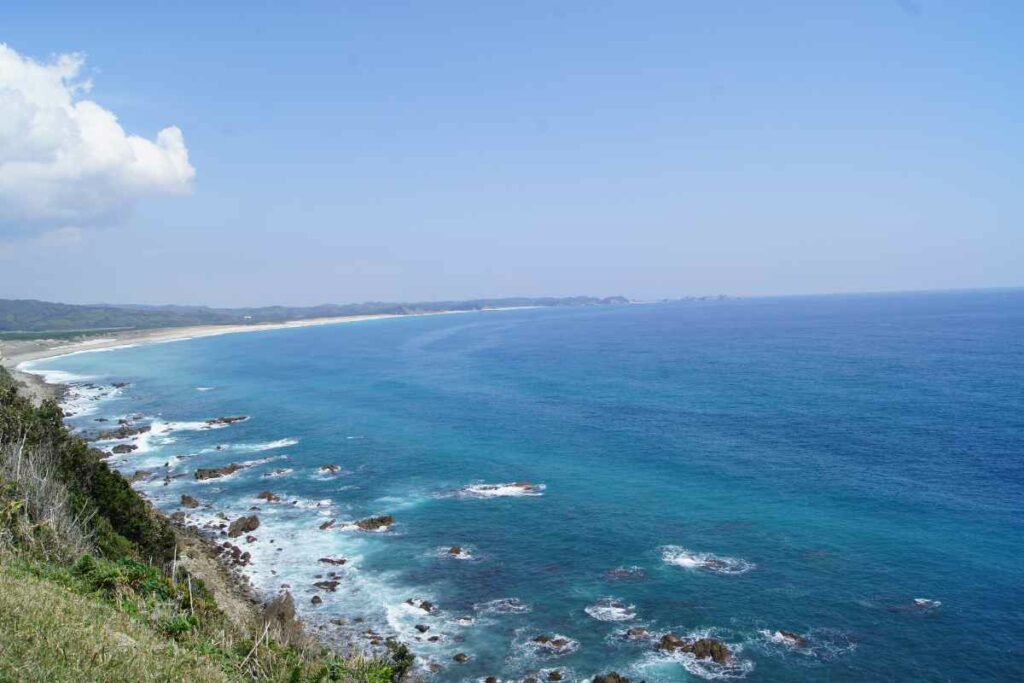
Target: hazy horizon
{"x": 421, "y": 152}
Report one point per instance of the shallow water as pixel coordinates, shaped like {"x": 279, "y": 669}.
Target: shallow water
{"x": 845, "y": 468}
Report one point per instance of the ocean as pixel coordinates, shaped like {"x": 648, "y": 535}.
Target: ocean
{"x": 832, "y": 486}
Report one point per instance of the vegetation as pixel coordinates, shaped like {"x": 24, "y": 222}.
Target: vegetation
{"x": 91, "y": 587}
{"x": 24, "y": 318}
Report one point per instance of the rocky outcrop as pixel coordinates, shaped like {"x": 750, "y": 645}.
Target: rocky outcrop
{"x": 626, "y": 574}
{"x": 637, "y": 633}
{"x": 701, "y": 648}
{"x": 424, "y": 605}
{"x": 243, "y": 525}
{"x": 269, "y": 496}
{"x": 461, "y": 658}
{"x": 330, "y": 469}
{"x": 280, "y": 619}
{"x": 122, "y": 448}
{"x": 337, "y": 561}
{"x": 556, "y": 644}
{"x": 379, "y": 523}
{"x": 189, "y": 501}
{"x": 327, "y": 525}
{"x": 214, "y": 472}
{"x": 226, "y": 420}
{"x": 792, "y": 639}
{"x": 327, "y": 585}
{"x": 125, "y": 431}
{"x": 611, "y": 677}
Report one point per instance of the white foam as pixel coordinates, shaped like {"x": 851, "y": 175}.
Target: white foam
{"x": 719, "y": 564}
{"x": 205, "y": 388}
{"x": 502, "y": 606}
{"x": 611, "y": 609}
{"x": 256, "y": 447}
{"x": 263, "y": 461}
{"x": 783, "y": 639}
{"x": 279, "y": 472}
{"x": 512, "y": 489}
{"x": 927, "y": 603}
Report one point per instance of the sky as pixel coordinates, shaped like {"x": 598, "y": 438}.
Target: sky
{"x": 255, "y": 153}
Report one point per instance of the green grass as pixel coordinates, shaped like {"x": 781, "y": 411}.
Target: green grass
{"x": 50, "y": 633}
{"x": 99, "y": 620}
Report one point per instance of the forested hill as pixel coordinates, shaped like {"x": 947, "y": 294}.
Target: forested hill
{"x": 27, "y": 315}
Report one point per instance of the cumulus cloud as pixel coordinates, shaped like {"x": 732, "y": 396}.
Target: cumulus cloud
{"x": 65, "y": 161}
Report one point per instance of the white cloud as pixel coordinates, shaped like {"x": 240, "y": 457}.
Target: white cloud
{"x": 65, "y": 161}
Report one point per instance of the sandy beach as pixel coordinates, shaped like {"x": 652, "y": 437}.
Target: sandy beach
{"x": 13, "y": 353}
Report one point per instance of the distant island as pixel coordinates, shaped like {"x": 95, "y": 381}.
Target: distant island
{"x": 29, "y": 318}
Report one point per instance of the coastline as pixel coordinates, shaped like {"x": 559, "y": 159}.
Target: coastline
{"x": 15, "y": 353}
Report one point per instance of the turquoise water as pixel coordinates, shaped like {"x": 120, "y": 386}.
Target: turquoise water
{"x": 814, "y": 465}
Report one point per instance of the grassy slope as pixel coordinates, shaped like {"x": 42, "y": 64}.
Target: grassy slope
{"x": 49, "y": 633}
{"x": 89, "y": 592}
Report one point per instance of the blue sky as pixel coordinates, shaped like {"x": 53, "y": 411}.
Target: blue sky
{"x": 349, "y": 151}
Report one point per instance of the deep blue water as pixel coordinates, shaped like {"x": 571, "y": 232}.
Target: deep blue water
{"x": 843, "y": 456}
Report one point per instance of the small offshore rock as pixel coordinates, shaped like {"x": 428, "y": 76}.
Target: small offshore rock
{"x": 214, "y": 472}
{"x": 189, "y": 501}
{"x": 243, "y": 525}
{"x": 227, "y": 420}
{"x": 611, "y": 677}
{"x": 375, "y": 523}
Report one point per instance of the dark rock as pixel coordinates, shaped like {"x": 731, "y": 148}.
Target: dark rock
{"x": 178, "y": 516}
{"x": 424, "y": 605}
{"x": 375, "y": 523}
{"x": 555, "y": 676}
{"x": 461, "y": 658}
{"x": 243, "y": 525}
{"x": 125, "y": 431}
{"x": 122, "y": 448}
{"x": 330, "y": 469}
{"x": 215, "y": 472}
{"x": 317, "y": 600}
{"x": 268, "y": 496}
{"x": 611, "y": 677}
{"x": 251, "y": 539}
{"x": 120, "y": 385}
{"x": 327, "y": 585}
{"x": 333, "y": 560}
{"x": 227, "y": 420}
{"x": 701, "y": 648}
{"x": 638, "y": 633}
{"x": 327, "y": 525}
{"x": 422, "y": 628}
{"x": 279, "y": 616}
{"x": 794, "y": 639}
{"x": 189, "y": 501}
{"x": 626, "y": 574}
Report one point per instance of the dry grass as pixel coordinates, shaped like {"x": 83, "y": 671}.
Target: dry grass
{"x": 36, "y": 506}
